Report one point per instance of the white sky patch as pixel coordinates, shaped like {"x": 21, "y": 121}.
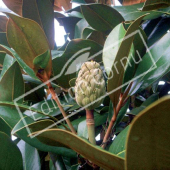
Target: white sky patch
{"x": 161, "y": 83}
{"x": 13, "y": 137}
{"x": 97, "y": 137}
{"x": 117, "y": 3}
{"x": 59, "y": 33}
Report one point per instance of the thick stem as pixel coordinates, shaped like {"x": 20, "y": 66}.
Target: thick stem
{"x": 44, "y": 78}
{"x": 116, "y": 111}
{"x": 55, "y": 97}
{"x": 90, "y": 126}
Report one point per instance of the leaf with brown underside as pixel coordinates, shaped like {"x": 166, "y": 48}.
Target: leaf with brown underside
{"x": 155, "y": 4}
{"x": 148, "y": 138}
{"x": 66, "y": 4}
{"x": 107, "y": 161}
{"x": 3, "y": 22}
{"x": 132, "y": 2}
{"x": 28, "y": 39}
{"x": 14, "y": 5}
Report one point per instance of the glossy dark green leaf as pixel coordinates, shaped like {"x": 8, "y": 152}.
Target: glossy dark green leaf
{"x": 41, "y": 61}
{"x": 13, "y": 119}
{"x": 72, "y": 82}
{"x": 118, "y": 146}
{"x": 116, "y": 78}
{"x": 107, "y": 161}
{"x": 48, "y": 108}
{"x": 148, "y": 138}
{"x": 79, "y": 28}
{"x": 43, "y": 145}
{"x": 10, "y": 155}
{"x": 34, "y": 96}
{"x": 137, "y": 110}
{"x": 27, "y": 38}
{"x": 154, "y": 65}
{"x": 155, "y": 4}
{"x": 30, "y": 156}
{"x": 27, "y": 78}
{"x": 132, "y": 12}
{"x": 2, "y": 57}
{"x": 24, "y": 66}
{"x": 11, "y": 84}
{"x": 3, "y": 39}
{"x": 140, "y": 41}
{"x": 86, "y": 32}
{"x": 91, "y": 34}
{"x": 156, "y": 29}
{"x": 51, "y": 165}
{"x": 146, "y": 103}
{"x": 42, "y": 12}
{"x": 37, "y": 111}
{"x": 57, "y": 162}
{"x": 101, "y": 20}
{"x": 77, "y": 52}
{"x": 69, "y": 24}
{"x": 112, "y": 45}
{"x": 5, "y": 128}
{"x": 151, "y": 99}
{"x": 7, "y": 63}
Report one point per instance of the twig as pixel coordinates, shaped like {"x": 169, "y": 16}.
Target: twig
{"x": 55, "y": 97}
{"x": 116, "y": 111}
{"x": 44, "y": 77}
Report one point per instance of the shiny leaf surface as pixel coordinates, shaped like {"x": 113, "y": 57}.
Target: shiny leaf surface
{"x": 10, "y": 155}
{"x": 11, "y": 84}
{"x": 41, "y": 12}
{"x": 27, "y": 38}
{"x": 107, "y": 161}
{"x": 148, "y": 138}
{"x": 116, "y": 78}
{"x": 30, "y": 156}
{"x": 101, "y": 19}
{"x": 154, "y": 65}
{"x": 155, "y": 4}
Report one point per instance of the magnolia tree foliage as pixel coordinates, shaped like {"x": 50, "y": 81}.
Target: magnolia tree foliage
{"x": 93, "y": 103}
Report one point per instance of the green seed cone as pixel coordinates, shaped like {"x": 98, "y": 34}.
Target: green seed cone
{"x": 90, "y": 85}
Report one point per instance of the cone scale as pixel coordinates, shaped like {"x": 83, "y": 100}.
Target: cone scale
{"x": 89, "y": 89}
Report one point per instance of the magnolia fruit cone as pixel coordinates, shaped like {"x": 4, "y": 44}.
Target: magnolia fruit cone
{"x": 90, "y": 85}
